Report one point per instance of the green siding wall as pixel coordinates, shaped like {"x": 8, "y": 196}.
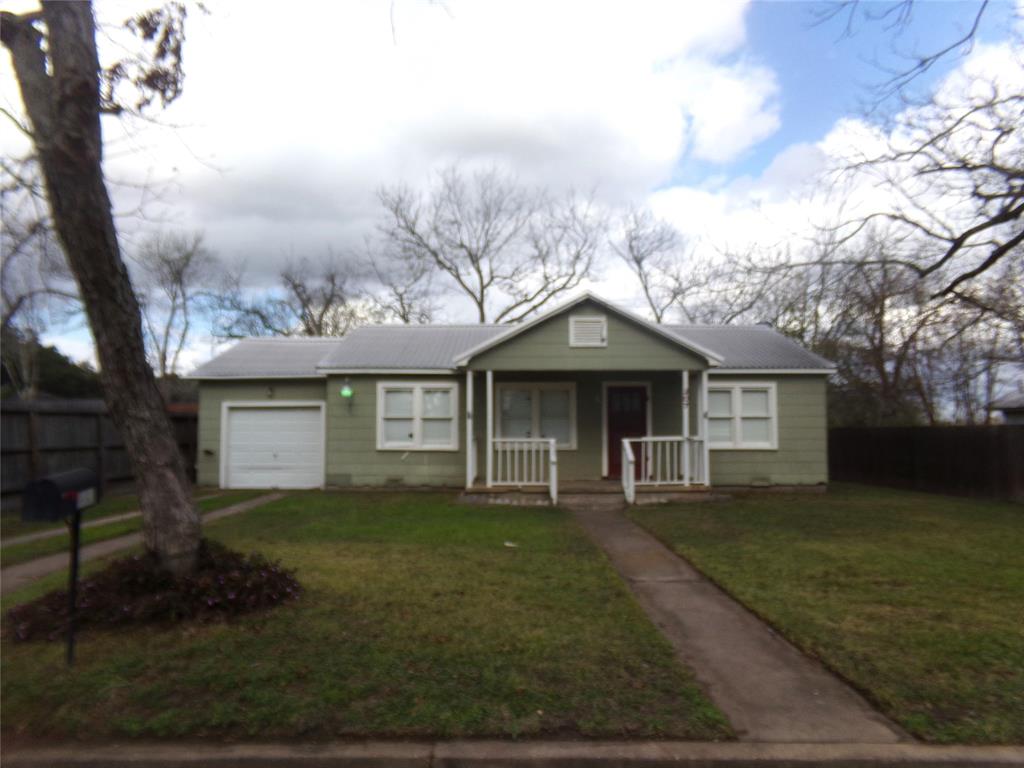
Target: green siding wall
{"x": 545, "y": 347}
{"x": 802, "y": 455}
{"x": 213, "y": 393}
{"x": 353, "y": 458}
{"x": 352, "y": 455}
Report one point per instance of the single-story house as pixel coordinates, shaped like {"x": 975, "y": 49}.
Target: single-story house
{"x": 585, "y": 393}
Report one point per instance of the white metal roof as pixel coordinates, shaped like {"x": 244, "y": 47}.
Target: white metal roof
{"x": 442, "y": 348}
{"x": 290, "y": 357}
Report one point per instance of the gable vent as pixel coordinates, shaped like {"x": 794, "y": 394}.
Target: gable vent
{"x": 588, "y": 332}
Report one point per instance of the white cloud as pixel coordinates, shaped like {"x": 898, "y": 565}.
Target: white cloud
{"x": 303, "y": 113}
{"x": 732, "y": 108}
{"x": 782, "y": 205}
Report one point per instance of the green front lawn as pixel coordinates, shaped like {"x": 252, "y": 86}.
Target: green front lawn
{"x": 11, "y": 524}
{"x": 417, "y": 620}
{"x": 30, "y": 550}
{"x": 917, "y": 599}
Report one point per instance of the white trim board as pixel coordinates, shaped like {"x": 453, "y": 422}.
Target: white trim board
{"x": 604, "y": 415}
{"x": 257, "y": 376}
{"x": 771, "y": 371}
{"x": 417, "y": 417}
{"x": 227, "y": 405}
{"x": 388, "y": 371}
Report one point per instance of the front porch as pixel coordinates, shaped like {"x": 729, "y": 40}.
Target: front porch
{"x": 553, "y": 433}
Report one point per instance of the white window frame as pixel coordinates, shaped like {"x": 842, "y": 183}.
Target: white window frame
{"x": 536, "y": 387}
{"x": 417, "y": 388}
{"x": 735, "y": 388}
{"x": 603, "y": 319}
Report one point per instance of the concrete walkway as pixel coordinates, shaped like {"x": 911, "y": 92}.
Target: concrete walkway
{"x": 17, "y": 576}
{"x": 512, "y": 754}
{"x": 768, "y": 689}
{"x": 54, "y": 532}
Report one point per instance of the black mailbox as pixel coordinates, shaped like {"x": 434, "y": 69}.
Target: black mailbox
{"x": 58, "y": 496}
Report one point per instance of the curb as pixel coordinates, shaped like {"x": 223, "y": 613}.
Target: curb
{"x": 505, "y": 754}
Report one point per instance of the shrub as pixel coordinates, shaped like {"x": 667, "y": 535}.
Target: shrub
{"x": 132, "y": 591}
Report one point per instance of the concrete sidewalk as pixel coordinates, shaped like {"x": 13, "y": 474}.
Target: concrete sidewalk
{"x": 512, "y": 754}
{"x": 768, "y": 690}
{"x": 54, "y": 532}
{"x": 17, "y": 576}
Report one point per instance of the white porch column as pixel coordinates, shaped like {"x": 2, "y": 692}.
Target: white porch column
{"x": 470, "y": 445}
{"x": 488, "y": 449}
{"x": 686, "y": 427}
{"x": 704, "y": 425}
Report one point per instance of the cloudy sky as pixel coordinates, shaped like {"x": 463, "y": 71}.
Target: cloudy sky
{"x": 717, "y": 115}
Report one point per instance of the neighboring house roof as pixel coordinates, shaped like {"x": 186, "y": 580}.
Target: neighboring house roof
{"x": 443, "y": 348}
{"x": 291, "y": 357}
{"x": 1009, "y": 403}
{"x": 752, "y": 346}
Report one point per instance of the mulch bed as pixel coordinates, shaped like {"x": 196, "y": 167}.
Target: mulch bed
{"x": 133, "y": 591}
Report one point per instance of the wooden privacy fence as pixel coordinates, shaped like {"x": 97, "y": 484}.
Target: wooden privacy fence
{"x": 38, "y": 437}
{"x": 967, "y": 461}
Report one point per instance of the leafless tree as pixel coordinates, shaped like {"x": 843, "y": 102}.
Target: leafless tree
{"x": 660, "y": 258}
{"x": 175, "y": 271}
{"x": 65, "y": 89}
{"x": 315, "y": 298}
{"x": 896, "y": 18}
{"x": 33, "y": 272}
{"x": 403, "y": 288}
{"x": 35, "y": 284}
{"x": 511, "y": 249}
{"x": 955, "y": 173}
{"x": 902, "y": 356}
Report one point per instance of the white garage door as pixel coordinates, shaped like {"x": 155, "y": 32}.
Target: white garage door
{"x": 274, "y": 447}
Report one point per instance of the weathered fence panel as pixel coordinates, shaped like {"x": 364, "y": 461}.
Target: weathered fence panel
{"x": 39, "y": 437}
{"x": 967, "y": 461}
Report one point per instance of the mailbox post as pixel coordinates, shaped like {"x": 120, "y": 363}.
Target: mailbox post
{"x": 63, "y": 496}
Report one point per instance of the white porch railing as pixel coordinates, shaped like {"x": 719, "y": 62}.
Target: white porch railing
{"x": 526, "y": 461}
{"x": 628, "y": 472}
{"x": 654, "y": 461}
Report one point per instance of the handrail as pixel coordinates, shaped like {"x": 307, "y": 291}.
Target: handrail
{"x": 553, "y": 471}
{"x": 628, "y": 472}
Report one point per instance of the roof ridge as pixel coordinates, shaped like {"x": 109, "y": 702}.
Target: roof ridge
{"x": 290, "y": 338}
{"x": 720, "y": 325}
{"x": 431, "y": 325}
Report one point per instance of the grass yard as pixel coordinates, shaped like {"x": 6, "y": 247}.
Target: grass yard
{"x": 417, "y": 621}
{"x": 11, "y": 524}
{"x": 917, "y": 599}
{"x": 30, "y": 550}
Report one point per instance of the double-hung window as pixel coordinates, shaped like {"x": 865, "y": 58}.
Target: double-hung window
{"x": 742, "y": 416}
{"x": 537, "y": 411}
{"x": 417, "y": 416}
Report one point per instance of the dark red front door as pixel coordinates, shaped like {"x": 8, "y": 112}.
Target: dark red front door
{"x": 627, "y": 417}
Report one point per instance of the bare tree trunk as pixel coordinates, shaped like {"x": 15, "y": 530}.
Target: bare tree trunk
{"x": 63, "y": 106}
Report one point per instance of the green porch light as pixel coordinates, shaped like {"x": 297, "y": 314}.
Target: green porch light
{"x": 346, "y": 390}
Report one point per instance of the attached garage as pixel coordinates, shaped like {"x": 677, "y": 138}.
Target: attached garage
{"x": 272, "y": 445}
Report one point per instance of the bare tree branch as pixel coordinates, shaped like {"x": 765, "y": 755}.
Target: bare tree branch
{"x": 511, "y": 250}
